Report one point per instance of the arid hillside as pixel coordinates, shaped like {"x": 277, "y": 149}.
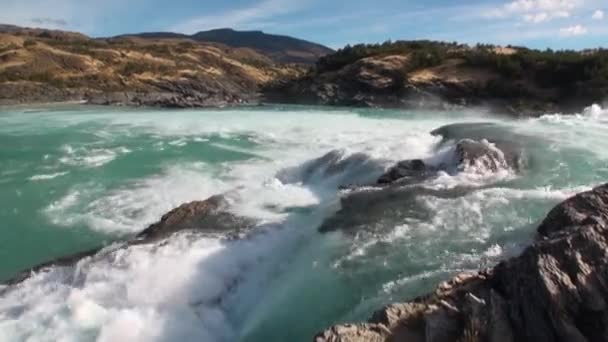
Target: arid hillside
{"x": 47, "y": 66}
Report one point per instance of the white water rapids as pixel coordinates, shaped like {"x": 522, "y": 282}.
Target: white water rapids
{"x": 286, "y": 280}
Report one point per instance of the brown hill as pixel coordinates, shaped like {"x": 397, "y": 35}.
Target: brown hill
{"x": 38, "y": 65}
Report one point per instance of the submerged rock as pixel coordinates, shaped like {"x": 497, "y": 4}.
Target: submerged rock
{"x": 335, "y": 163}
{"x": 555, "y": 291}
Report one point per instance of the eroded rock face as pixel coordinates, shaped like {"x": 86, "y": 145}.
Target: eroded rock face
{"x": 556, "y": 291}
{"x": 588, "y": 208}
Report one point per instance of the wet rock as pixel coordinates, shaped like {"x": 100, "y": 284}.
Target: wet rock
{"x": 210, "y": 216}
{"x": 410, "y": 169}
{"x": 509, "y": 143}
{"x": 555, "y": 291}
{"x": 479, "y": 154}
{"x": 588, "y": 208}
{"x": 335, "y": 163}
{"x": 467, "y": 154}
{"x": 374, "y": 209}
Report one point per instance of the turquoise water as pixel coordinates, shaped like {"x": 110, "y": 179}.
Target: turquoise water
{"x": 74, "y": 178}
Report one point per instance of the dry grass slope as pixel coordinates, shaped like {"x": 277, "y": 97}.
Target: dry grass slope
{"x": 40, "y": 65}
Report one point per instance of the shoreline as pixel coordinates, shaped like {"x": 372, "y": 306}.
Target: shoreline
{"x": 491, "y": 106}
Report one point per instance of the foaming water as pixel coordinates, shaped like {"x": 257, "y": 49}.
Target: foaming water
{"x": 134, "y": 206}
{"x": 80, "y": 177}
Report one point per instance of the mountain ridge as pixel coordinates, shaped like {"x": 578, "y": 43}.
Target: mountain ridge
{"x": 282, "y": 48}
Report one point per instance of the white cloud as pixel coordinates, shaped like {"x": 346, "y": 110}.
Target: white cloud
{"x": 541, "y": 5}
{"x": 598, "y": 15}
{"x": 576, "y": 30}
{"x": 245, "y": 17}
{"x": 535, "y": 11}
{"x": 536, "y": 18}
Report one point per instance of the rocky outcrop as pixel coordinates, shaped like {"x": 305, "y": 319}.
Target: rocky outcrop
{"x": 466, "y": 154}
{"x": 210, "y": 216}
{"x": 409, "y": 78}
{"x": 555, "y": 291}
{"x": 394, "y": 196}
{"x": 369, "y": 82}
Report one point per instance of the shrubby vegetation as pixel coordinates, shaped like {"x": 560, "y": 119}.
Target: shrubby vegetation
{"x": 547, "y": 68}
{"x": 424, "y": 53}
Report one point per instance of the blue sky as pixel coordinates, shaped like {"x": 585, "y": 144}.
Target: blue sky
{"x": 536, "y": 23}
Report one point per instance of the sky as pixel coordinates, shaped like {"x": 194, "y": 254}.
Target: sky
{"x": 556, "y": 24}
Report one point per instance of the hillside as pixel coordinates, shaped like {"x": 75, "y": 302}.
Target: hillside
{"x": 45, "y": 66}
{"x": 280, "y": 48}
{"x": 433, "y": 74}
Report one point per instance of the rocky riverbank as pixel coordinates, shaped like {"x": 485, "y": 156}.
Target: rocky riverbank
{"x": 555, "y": 290}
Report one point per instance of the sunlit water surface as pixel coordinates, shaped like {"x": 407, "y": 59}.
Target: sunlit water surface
{"x": 74, "y": 178}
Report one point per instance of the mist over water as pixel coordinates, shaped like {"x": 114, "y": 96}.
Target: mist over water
{"x": 74, "y": 178}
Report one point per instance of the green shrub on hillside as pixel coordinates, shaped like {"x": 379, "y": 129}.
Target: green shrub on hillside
{"x": 424, "y": 53}
{"x": 29, "y": 42}
{"x": 547, "y": 68}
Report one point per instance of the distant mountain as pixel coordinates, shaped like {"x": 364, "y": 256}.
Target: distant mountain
{"x": 280, "y": 48}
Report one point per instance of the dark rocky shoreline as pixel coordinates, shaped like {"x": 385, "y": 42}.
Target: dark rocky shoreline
{"x": 555, "y": 290}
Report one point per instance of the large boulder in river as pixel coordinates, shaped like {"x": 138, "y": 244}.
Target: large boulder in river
{"x": 466, "y": 155}
{"x": 209, "y": 216}
{"x": 555, "y": 291}
{"x": 394, "y": 196}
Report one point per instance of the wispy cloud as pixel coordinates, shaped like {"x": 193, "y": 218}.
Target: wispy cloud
{"x": 535, "y": 11}
{"x": 598, "y": 15}
{"x": 243, "y": 18}
{"x": 576, "y": 30}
